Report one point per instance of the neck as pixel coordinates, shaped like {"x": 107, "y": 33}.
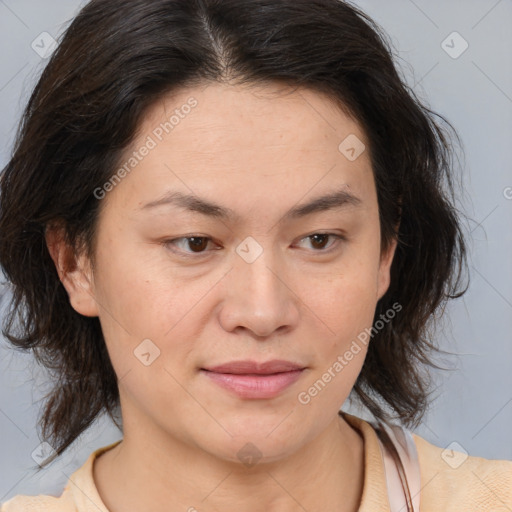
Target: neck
{"x": 159, "y": 473}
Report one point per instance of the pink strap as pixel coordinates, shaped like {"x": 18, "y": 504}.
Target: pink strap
{"x": 403, "y": 442}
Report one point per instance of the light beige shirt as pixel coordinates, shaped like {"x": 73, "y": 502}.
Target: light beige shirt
{"x": 477, "y": 484}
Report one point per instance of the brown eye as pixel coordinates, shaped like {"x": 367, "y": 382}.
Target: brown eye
{"x": 319, "y": 241}
{"x": 197, "y": 243}
{"x": 191, "y": 245}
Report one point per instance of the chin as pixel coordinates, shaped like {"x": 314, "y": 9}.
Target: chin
{"x": 251, "y": 451}
{"x": 263, "y": 439}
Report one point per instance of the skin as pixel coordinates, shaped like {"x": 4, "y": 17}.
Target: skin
{"x": 259, "y": 152}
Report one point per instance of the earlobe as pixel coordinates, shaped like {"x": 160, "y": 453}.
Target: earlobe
{"x": 384, "y": 277}
{"x": 74, "y": 272}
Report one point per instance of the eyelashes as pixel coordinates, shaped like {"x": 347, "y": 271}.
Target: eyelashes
{"x": 199, "y": 243}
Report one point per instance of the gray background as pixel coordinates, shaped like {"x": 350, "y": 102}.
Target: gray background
{"x": 474, "y": 91}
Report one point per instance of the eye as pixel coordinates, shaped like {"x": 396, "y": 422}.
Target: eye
{"x": 319, "y": 239}
{"x": 197, "y": 244}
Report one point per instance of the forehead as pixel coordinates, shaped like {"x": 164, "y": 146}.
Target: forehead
{"x": 246, "y": 143}
{"x": 272, "y": 114}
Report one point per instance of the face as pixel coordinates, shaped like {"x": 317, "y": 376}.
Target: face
{"x": 207, "y": 255}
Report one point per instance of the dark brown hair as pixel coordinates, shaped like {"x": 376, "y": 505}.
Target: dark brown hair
{"x": 114, "y": 61}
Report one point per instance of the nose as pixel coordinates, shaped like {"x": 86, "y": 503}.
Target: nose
{"x": 259, "y": 296}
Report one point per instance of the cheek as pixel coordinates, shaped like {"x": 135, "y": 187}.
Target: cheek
{"x": 344, "y": 311}
{"x": 345, "y": 301}
{"x": 134, "y": 290}
{"x": 143, "y": 299}
{"x": 349, "y": 315}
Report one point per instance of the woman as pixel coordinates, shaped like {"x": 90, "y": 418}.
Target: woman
{"x": 222, "y": 218}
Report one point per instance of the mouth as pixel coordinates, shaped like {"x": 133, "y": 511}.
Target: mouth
{"x": 252, "y": 380}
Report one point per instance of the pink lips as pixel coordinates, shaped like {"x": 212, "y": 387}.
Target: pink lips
{"x": 249, "y": 379}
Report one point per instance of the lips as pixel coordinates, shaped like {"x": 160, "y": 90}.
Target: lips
{"x": 253, "y": 367}
{"x": 253, "y": 380}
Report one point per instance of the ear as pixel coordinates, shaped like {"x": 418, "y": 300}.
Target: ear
{"x": 384, "y": 274}
{"x": 75, "y": 272}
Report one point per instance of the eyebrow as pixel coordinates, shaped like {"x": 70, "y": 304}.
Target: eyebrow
{"x": 338, "y": 199}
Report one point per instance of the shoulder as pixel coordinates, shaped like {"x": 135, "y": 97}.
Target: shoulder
{"x": 454, "y": 480}
{"x": 41, "y": 503}
{"x": 79, "y": 495}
